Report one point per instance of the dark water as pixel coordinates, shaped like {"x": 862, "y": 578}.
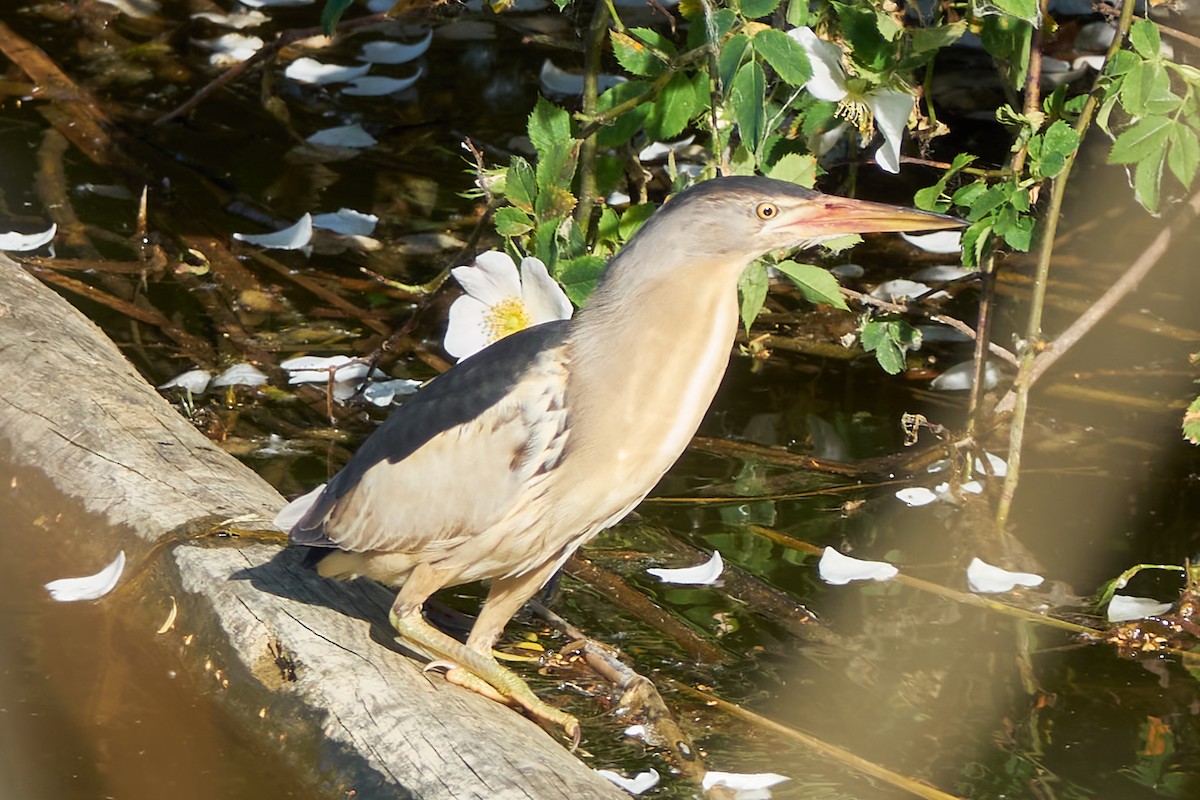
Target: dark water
{"x": 94, "y": 704}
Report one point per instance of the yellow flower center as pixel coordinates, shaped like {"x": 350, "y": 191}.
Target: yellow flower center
{"x": 507, "y": 316}
{"x": 857, "y": 113}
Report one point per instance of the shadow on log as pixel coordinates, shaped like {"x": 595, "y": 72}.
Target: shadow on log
{"x": 316, "y": 655}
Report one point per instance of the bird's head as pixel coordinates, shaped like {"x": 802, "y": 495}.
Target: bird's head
{"x": 732, "y": 221}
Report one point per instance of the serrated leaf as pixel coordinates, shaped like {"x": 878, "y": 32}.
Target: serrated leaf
{"x": 838, "y": 244}
{"x": 520, "y": 184}
{"x": 626, "y": 126}
{"x": 867, "y": 43}
{"x": 1184, "y": 156}
{"x": 580, "y": 276}
{"x": 752, "y": 286}
{"x": 757, "y": 9}
{"x": 797, "y": 14}
{"x": 646, "y": 56}
{"x": 877, "y": 338}
{"x": 633, "y": 218}
{"x": 930, "y": 198}
{"x": 732, "y": 55}
{"x": 512, "y": 221}
{"x": 1021, "y": 9}
{"x": 554, "y": 201}
{"x": 747, "y": 97}
{"x": 1147, "y": 181}
{"x": 987, "y": 201}
{"x": 673, "y": 109}
{"x": 1146, "y": 85}
{"x": 928, "y": 39}
{"x": 966, "y": 195}
{"x": 1191, "y": 422}
{"x": 795, "y": 168}
{"x": 1143, "y": 35}
{"x": 1061, "y": 138}
{"x": 785, "y": 55}
{"x": 817, "y": 285}
{"x": 976, "y": 240}
{"x": 1140, "y": 140}
{"x": 548, "y": 125}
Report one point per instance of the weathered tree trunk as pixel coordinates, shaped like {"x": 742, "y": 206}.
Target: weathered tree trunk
{"x": 316, "y": 655}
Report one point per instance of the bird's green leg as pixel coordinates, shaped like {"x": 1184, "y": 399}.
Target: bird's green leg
{"x": 469, "y": 667}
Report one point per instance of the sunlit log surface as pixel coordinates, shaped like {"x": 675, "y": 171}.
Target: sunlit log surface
{"x": 302, "y": 661}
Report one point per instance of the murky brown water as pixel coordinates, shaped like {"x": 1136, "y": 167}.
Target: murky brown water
{"x": 92, "y": 704}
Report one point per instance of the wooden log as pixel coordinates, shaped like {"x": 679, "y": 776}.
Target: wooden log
{"x": 303, "y": 661}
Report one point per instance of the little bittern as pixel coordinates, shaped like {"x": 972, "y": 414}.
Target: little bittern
{"x": 500, "y": 468}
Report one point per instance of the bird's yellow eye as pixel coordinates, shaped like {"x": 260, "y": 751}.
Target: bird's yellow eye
{"x": 767, "y": 211}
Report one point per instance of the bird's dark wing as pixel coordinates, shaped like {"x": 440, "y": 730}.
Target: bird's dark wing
{"x": 455, "y": 456}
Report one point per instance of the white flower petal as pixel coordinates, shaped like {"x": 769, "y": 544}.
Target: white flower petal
{"x": 379, "y": 85}
{"x": 1123, "y": 608}
{"x": 891, "y": 108}
{"x": 194, "y": 380}
{"x": 701, "y": 575}
{"x": 915, "y": 496}
{"x": 302, "y": 363}
{"x": 20, "y": 242}
{"x": 635, "y": 731}
{"x": 643, "y": 781}
{"x": 942, "y": 273}
{"x": 240, "y": 375}
{"x": 343, "y": 136}
{"x": 829, "y": 78}
{"x": 839, "y": 569}
{"x": 739, "y": 781}
{"x": 232, "y": 48}
{"x": 490, "y": 279}
{"x": 275, "y": 3}
{"x": 999, "y": 465}
{"x": 68, "y": 590}
{"x": 246, "y": 19}
{"x": 544, "y": 299}
{"x": 294, "y": 511}
{"x": 961, "y": 375}
{"x": 941, "y": 242}
{"x": 467, "y": 330}
{"x": 389, "y": 52}
{"x": 309, "y": 70}
{"x": 384, "y": 392}
{"x": 898, "y": 289}
{"x": 983, "y": 578}
{"x": 347, "y": 221}
{"x": 293, "y": 237}
{"x": 658, "y": 151}
{"x": 138, "y": 9}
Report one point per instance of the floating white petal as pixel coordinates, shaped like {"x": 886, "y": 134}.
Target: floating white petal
{"x": 352, "y": 136}
{"x": 636, "y": 731}
{"x": 276, "y": 3}
{"x": 701, "y": 575}
{"x": 642, "y": 782}
{"x": 742, "y": 782}
{"x": 294, "y": 511}
{"x": 378, "y": 85}
{"x": 139, "y": 9}
{"x": 246, "y": 19}
{"x": 898, "y": 289}
{"x": 999, "y": 465}
{"x": 915, "y": 496}
{"x": 384, "y": 392}
{"x": 312, "y": 369}
{"x": 1123, "y": 608}
{"x": 20, "y": 242}
{"x": 194, "y": 380}
{"x": 294, "y": 237}
{"x": 941, "y": 242}
{"x": 347, "y": 221}
{"x": 942, "y": 273}
{"x": 983, "y": 578}
{"x": 240, "y": 375}
{"x": 839, "y": 569}
{"x": 68, "y": 590}
{"x": 385, "y": 51}
{"x": 960, "y": 376}
{"x": 232, "y": 48}
{"x": 556, "y": 82}
{"x": 309, "y": 70}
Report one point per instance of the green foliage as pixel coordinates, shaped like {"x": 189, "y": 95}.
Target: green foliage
{"x": 752, "y": 288}
{"x": 889, "y": 338}
{"x": 784, "y": 54}
{"x": 817, "y": 285}
{"x": 332, "y": 13}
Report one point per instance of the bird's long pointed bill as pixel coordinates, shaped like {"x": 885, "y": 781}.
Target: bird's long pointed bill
{"x": 836, "y": 216}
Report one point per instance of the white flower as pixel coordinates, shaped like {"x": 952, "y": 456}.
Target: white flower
{"x": 701, "y": 575}
{"x": 839, "y": 569}
{"x": 499, "y": 302}
{"x": 983, "y": 578}
{"x": 90, "y": 587}
{"x": 890, "y": 108}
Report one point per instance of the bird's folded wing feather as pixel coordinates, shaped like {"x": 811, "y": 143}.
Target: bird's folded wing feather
{"x": 455, "y": 458}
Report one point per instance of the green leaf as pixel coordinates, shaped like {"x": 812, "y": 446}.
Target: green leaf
{"x": 520, "y": 184}
{"x": 1191, "y": 422}
{"x": 1121, "y": 63}
{"x": 732, "y": 55}
{"x": 628, "y": 124}
{"x": 647, "y": 57}
{"x": 1184, "y": 156}
{"x": 554, "y": 202}
{"x": 797, "y": 13}
{"x": 549, "y": 126}
{"x": 332, "y": 13}
{"x": 579, "y": 277}
{"x": 966, "y": 195}
{"x": 1147, "y": 87}
{"x": 988, "y": 200}
{"x": 747, "y": 97}
{"x": 785, "y": 55}
{"x": 867, "y": 44}
{"x": 756, "y": 9}
{"x": 606, "y": 226}
{"x": 818, "y": 285}
{"x": 1026, "y": 10}
{"x": 633, "y": 218}
{"x": 752, "y": 286}
{"x": 1061, "y": 138}
{"x": 512, "y": 221}
{"x": 795, "y": 168}
{"x": 838, "y": 244}
{"x": 1147, "y": 180}
{"x": 676, "y": 105}
{"x": 1145, "y": 39}
{"x": 929, "y": 39}
{"x": 1140, "y": 140}
{"x": 976, "y": 241}
{"x": 889, "y": 339}
{"x": 930, "y": 198}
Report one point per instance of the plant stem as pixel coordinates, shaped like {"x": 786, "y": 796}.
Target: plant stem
{"x": 597, "y": 33}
